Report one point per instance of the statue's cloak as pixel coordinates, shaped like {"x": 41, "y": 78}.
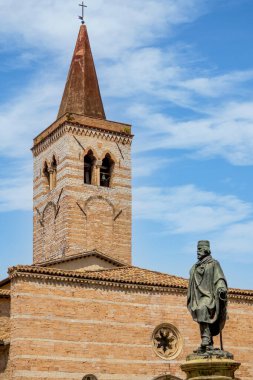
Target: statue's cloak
{"x": 203, "y": 300}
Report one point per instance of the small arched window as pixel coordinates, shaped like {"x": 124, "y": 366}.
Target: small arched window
{"x": 89, "y": 164}
{"x": 54, "y": 173}
{"x": 89, "y": 377}
{"x": 46, "y": 174}
{"x": 106, "y": 171}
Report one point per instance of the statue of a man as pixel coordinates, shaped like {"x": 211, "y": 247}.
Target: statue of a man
{"x": 207, "y": 295}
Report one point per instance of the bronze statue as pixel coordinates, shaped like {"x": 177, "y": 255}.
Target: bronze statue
{"x": 207, "y": 296}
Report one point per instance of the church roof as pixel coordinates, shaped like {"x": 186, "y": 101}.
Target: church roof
{"x": 124, "y": 275}
{"x": 135, "y": 275}
{"x": 127, "y": 276}
{"x": 82, "y": 95}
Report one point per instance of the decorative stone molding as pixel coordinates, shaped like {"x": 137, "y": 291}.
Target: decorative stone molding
{"x": 79, "y": 130}
{"x": 40, "y": 217}
{"x": 83, "y": 211}
{"x": 49, "y": 204}
{"x": 99, "y": 197}
{"x": 117, "y": 211}
{"x": 167, "y": 341}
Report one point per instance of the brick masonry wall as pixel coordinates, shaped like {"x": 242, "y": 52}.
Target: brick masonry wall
{"x": 86, "y": 217}
{"x": 4, "y": 335}
{"x": 4, "y": 318}
{"x": 65, "y": 331}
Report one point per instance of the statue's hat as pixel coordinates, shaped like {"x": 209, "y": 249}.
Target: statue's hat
{"x": 204, "y": 243}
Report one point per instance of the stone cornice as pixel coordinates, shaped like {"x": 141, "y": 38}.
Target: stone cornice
{"x": 82, "y": 126}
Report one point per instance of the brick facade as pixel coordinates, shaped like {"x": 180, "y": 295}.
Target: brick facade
{"x": 63, "y": 330}
{"x": 4, "y": 336}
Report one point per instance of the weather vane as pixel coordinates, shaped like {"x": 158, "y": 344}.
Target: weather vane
{"x": 82, "y": 17}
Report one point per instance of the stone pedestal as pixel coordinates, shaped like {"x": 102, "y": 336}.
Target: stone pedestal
{"x": 210, "y": 368}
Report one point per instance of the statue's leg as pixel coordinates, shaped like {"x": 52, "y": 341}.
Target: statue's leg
{"x": 206, "y": 335}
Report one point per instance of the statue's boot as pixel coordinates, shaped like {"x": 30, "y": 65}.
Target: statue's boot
{"x": 206, "y": 341}
{"x": 206, "y": 336}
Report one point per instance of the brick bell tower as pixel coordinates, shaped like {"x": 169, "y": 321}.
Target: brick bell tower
{"x": 82, "y": 172}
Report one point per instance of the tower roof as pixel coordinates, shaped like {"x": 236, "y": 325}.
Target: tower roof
{"x": 82, "y": 95}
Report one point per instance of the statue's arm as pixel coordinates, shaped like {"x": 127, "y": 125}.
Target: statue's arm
{"x": 223, "y": 294}
{"x": 220, "y": 282}
{"x": 219, "y": 277}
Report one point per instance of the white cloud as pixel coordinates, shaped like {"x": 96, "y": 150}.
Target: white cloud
{"x": 219, "y": 85}
{"x": 148, "y": 70}
{"x": 45, "y": 27}
{"x": 187, "y": 209}
{"x": 28, "y": 114}
{"x": 116, "y": 26}
{"x": 167, "y": 75}
{"x": 146, "y": 166}
{"x": 236, "y": 242}
{"x": 227, "y": 132}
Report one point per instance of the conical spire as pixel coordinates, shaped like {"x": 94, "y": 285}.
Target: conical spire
{"x": 82, "y": 95}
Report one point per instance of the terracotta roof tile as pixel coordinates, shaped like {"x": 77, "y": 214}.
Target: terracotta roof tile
{"x": 125, "y": 275}
{"x": 135, "y": 275}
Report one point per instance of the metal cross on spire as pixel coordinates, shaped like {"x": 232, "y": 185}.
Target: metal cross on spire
{"x": 82, "y": 17}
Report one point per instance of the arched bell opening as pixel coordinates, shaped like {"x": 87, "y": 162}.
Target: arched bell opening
{"x": 46, "y": 175}
{"x": 89, "y": 165}
{"x": 106, "y": 171}
{"x": 54, "y": 173}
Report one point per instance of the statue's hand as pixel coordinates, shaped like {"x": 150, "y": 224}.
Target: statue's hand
{"x": 223, "y": 294}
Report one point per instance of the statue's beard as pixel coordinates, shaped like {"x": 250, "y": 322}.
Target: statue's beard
{"x": 204, "y": 254}
{"x": 204, "y": 259}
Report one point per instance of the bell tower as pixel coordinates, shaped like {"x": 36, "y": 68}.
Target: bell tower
{"x": 82, "y": 172}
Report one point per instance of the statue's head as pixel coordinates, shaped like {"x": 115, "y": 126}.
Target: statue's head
{"x": 203, "y": 249}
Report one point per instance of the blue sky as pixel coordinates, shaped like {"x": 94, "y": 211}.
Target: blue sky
{"x": 180, "y": 71}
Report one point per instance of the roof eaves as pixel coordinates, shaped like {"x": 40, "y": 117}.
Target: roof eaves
{"x": 4, "y": 282}
{"x": 62, "y": 122}
{"x": 95, "y": 277}
{"x": 85, "y": 275}
{"x": 5, "y": 293}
